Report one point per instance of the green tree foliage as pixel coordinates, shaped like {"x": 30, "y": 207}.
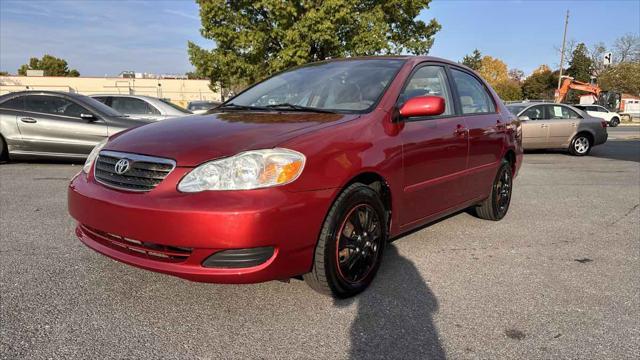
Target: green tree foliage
{"x": 540, "y": 85}
{"x": 580, "y": 64}
{"x": 509, "y": 90}
{"x": 473, "y": 60}
{"x": 623, "y": 77}
{"x": 4, "y": 73}
{"x": 254, "y": 39}
{"x": 51, "y": 65}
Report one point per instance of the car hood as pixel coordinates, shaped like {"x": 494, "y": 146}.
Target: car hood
{"x": 195, "y": 139}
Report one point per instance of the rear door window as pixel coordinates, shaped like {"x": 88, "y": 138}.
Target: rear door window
{"x": 561, "y": 112}
{"x": 132, "y": 106}
{"x": 473, "y": 96}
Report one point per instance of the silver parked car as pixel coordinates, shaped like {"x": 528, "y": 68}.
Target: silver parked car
{"x": 202, "y": 106}
{"x": 143, "y": 107}
{"x": 548, "y": 126}
{"x": 55, "y": 124}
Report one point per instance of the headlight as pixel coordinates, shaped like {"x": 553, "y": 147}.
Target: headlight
{"x": 93, "y": 155}
{"x": 248, "y": 170}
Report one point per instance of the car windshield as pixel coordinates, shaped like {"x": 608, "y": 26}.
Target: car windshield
{"x": 179, "y": 108}
{"x": 349, "y": 86}
{"x": 515, "y": 109}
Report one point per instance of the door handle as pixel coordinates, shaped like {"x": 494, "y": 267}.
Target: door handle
{"x": 460, "y": 130}
{"x": 544, "y": 125}
{"x": 28, "y": 120}
{"x": 573, "y": 124}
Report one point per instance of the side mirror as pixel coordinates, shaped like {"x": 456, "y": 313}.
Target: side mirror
{"x": 423, "y": 106}
{"x": 88, "y": 117}
{"x": 523, "y": 118}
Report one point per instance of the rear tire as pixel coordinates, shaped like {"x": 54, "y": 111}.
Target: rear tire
{"x": 580, "y": 145}
{"x": 495, "y": 207}
{"x": 614, "y": 122}
{"x": 353, "y": 233}
{"x": 4, "y": 152}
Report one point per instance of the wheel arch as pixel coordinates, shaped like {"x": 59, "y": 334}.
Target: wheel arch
{"x": 587, "y": 133}
{"x": 376, "y": 182}
{"x": 510, "y": 156}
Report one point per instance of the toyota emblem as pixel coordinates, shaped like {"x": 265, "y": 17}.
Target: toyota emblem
{"x": 122, "y": 166}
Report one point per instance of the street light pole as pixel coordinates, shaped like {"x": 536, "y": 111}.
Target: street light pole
{"x": 564, "y": 40}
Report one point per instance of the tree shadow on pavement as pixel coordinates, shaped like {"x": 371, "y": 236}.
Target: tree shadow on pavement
{"x": 625, "y": 150}
{"x": 395, "y": 315}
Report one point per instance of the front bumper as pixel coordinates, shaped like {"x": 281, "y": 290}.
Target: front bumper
{"x": 204, "y": 223}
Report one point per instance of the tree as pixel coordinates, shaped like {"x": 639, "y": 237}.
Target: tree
{"x": 598, "y": 50}
{"x": 580, "y": 64}
{"x": 516, "y": 75}
{"x": 473, "y": 60}
{"x": 256, "y": 39}
{"x": 493, "y": 70}
{"x": 4, "y": 73}
{"x": 623, "y": 77}
{"x": 541, "y": 84}
{"x": 627, "y": 48}
{"x": 508, "y": 90}
{"x": 51, "y": 65}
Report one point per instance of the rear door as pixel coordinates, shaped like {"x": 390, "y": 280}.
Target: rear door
{"x": 52, "y": 124}
{"x": 535, "y": 127}
{"x": 563, "y": 123}
{"x": 485, "y": 131}
{"x": 434, "y": 149}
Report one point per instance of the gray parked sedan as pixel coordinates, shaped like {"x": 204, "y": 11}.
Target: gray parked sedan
{"x": 549, "y": 126}
{"x": 142, "y": 107}
{"x": 55, "y": 124}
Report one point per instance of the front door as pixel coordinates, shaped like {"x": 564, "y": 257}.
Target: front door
{"x": 434, "y": 150}
{"x": 52, "y": 124}
{"x": 535, "y": 127}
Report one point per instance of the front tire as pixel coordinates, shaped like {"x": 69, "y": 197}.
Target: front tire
{"x": 495, "y": 207}
{"x": 614, "y": 122}
{"x": 351, "y": 243}
{"x": 580, "y": 145}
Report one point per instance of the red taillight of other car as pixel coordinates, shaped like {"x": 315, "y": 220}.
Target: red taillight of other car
{"x": 603, "y": 123}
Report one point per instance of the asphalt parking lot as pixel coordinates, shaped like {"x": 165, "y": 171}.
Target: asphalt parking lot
{"x": 558, "y": 277}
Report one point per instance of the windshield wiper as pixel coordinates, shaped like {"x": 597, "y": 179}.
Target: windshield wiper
{"x": 299, "y": 108}
{"x": 238, "y": 107}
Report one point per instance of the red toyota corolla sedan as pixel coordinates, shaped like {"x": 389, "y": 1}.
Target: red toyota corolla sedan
{"x": 306, "y": 174}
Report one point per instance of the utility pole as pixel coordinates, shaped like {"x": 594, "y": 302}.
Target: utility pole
{"x": 564, "y": 40}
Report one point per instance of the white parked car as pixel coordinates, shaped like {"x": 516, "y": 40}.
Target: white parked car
{"x": 612, "y": 118}
{"x": 142, "y": 107}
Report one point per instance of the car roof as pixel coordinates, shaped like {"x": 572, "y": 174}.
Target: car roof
{"x": 412, "y": 58}
{"x": 126, "y": 95}
{"x": 45, "y": 92}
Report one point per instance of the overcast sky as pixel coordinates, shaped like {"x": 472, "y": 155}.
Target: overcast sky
{"x": 100, "y": 37}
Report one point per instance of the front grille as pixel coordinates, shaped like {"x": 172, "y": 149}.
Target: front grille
{"x": 144, "y": 249}
{"x": 143, "y": 173}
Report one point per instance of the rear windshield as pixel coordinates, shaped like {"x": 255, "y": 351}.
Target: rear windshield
{"x": 179, "y": 108}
